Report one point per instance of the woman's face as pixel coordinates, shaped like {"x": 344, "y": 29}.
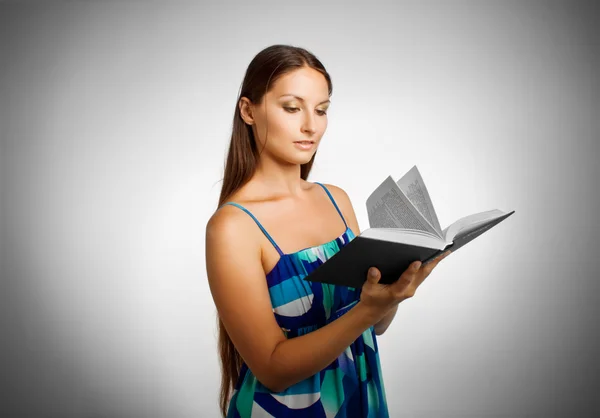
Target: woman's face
{"x": 293, "y": 111}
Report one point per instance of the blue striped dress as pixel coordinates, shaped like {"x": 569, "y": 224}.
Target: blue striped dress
{"x": 352, "y": 385}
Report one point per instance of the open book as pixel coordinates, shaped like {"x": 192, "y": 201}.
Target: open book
{"x": 403, "y": 228}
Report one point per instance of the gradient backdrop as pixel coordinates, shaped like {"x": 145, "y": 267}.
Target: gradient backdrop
{"x": 115, "y": 118}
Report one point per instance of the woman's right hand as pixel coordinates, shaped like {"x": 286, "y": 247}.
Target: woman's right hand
{"x": 381, "y": 298}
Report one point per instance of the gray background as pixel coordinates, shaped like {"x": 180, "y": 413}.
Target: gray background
{"x": 114, "y": 122}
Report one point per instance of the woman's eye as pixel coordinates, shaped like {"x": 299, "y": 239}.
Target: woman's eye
{"x": 291, "y": 109}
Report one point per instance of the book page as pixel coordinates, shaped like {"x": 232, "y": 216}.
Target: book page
{"x": 470, "y": 222}
{"x": 388, "y": 207}
{"x": 413, "y": 186}
{"x": 405, "y": 236}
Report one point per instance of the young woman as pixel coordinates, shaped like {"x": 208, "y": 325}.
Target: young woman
{"x": 291, "y": 348}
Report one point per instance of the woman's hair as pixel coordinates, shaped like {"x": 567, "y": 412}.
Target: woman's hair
{"x": 242, "y": 159}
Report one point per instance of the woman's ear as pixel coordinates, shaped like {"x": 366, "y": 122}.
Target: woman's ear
{"x": 246, "y": 110}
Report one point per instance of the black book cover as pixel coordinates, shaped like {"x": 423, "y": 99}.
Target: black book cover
{"x": 349, "y": 266}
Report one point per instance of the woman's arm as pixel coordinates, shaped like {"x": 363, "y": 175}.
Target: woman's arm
{"x": 239, "y": 289}
{"x": 385, "y": 322}
{"x": 345, "y": 205}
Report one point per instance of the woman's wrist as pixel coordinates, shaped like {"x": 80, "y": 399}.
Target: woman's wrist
{"x": 385, "y": 322}
{"x": 369, "y": 313}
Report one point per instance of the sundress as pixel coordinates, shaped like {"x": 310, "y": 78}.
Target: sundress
{"x": 352, "y": 385}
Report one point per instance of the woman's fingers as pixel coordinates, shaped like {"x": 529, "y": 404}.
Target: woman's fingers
{"x": 373, "y": 275}
{"x": 407, "y": 284}
{"x": 401, "y": 286}
{"x": 431, "y": 265}
{"x": 421, "y": 273}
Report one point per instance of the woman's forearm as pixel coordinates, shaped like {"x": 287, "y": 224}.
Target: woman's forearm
{"x": 385, "y": 322}
{"x": 298, "y": 358}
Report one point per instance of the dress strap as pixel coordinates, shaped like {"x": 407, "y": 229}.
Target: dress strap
{"x": 257, "y": 222}
{"x": 333, "y": 201}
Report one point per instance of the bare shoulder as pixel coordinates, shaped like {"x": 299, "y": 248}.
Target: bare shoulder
{"x": 229, "y": 222}
{"x": 339, "y": 194}
{"x": 345, "y": 204}
{"x": 230, "y": 235}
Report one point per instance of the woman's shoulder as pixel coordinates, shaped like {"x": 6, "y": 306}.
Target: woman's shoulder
{"x": 229, "y": 221}
{"x": 345, "y": 204}
{"x": 339, "y": 195}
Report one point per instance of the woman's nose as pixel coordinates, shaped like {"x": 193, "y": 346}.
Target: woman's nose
{"x": 309, "y": 124}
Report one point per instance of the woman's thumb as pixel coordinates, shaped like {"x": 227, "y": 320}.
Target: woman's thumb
{"x": 373, "y": 275}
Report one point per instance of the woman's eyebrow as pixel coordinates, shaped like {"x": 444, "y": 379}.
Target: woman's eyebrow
{"x": 301, "y": 99}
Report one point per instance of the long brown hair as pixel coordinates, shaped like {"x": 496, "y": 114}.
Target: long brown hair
{"x": 241, "y": 162}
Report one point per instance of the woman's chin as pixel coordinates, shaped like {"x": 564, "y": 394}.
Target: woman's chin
{"x": 296, "y": 157}
{"x": 303, "y": 159}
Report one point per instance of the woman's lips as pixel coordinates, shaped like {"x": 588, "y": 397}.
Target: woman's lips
{"x": 304, "y": 145}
